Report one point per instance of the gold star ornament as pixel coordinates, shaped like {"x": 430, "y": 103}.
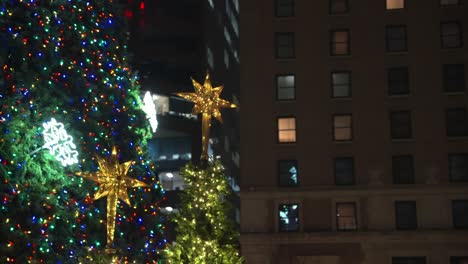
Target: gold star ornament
{"x": 207, "y": 102}
{"x": 113, "y": 183}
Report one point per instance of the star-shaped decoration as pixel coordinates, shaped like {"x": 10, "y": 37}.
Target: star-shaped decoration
{"x": 207, "y": 102}
{"x": 113, "y": 183}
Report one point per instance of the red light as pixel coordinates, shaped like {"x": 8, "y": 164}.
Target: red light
{"x": 142, "y": 5}
{"x": 128, "y": 14}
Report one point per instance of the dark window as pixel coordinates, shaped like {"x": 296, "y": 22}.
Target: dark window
{"x": 346, "y": 216}
{"x": 403, "y": 169}
{"x": 400, "y": 124}
{"x": 454, "y": 77}
{"x": 405, "y": 215}
{"x": 341, "y": 84}
{"x": 288, "y": 217}
{"x": 284, "y": 8}
{"x": 285, "y": 87}
{"x": 460, "y": 214}
{"x": 458, "y": 167}
{"x": 449, "y": 2}
{"x": 408, "y": 260}
{"x": 457, "y": 122}
{"x": 342, "y": 128}
{"x": 344, "y": 171}
{"x": 459, "y": 260}
{"x": 396, "y": 38}
{"x": 287, "y": 172}
{"x": 339, "y": 7}
{"x": 395, "y": 4}
{"x": 450, "y": 34}
{"x": 285, "y": 45}
{"x": 398, "y": 81}
{"x": 339, "y": 42}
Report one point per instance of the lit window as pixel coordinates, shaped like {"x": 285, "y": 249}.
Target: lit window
{"x": 287, "y": 172}
{"x": 339, "y": 7}
{"x": 340, "y": 42}
{"x": 285, "y": 45}
{"x": 403, "y": 169}
{"x": 459, "y": 260}
{"x": 398, "y": 81}
{"x": 409, "y": 260}
{"x": 405, "y": 215}
{"x": 457, "y": 122}
{"x": 396, "y": 38}
{"x": 288, "y": 217}
{"x": 451, "y": 36}
{"x": 286, "y": 129}
{"x": 395, "y": 4}
{"x": 460, "y": 214}
{"x": 458, "y": 167}
{"x": 400, "y": 125}
{"x": 449, "y": 2}
{"x": 285, "y": 87}
{"x": 454, "y": 78}
{"x": 341, "y": 84}
{"x": 344, "y": 171}
{"x": 284, "y": 8}
{"x": 342, "y": 128}
{"x": 346, "y": 216}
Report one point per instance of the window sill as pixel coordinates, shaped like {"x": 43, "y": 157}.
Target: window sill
{"x": 455, "y": 138}
{"x": 342, "y": 141}
{"x": 396, "y": 53}
{"x": 346, "y": 56}
{"x": 399, "y": 96}
{"x": 454, "y": 93}
{"x": 283, "y": 60}
{"x": 285, "y": 18}
{"x": 339, "y": 14}
{"x": 450, "y": 49}
{"x": 403, "y": 140}
{"x": 349, "y": 98}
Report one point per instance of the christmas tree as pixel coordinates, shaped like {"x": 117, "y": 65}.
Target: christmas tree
{"x": 67, "y": 97}
{"x": 205, "y": 231}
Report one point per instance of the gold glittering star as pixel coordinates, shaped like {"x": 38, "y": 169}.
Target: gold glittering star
{"x": 113, "y": 183}
{"x": 207, "y": 102}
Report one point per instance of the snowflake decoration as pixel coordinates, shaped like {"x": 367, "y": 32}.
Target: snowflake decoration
{"x": 59, "y": 143}
{"x": 150, "y": 109}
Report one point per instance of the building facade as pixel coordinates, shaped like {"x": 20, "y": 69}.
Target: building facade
{"x": 354, "y": 131}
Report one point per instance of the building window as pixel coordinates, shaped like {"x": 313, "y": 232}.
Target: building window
{"x": 285, "y": 87}
{"x": 285, "y": 45}
{"x": 396, "y": 38}
{"x": 450, "y": 33}
{"x": 344, "y": 171}
{"x": 342, "y": 128}
{"x": 457, "y": 122}
{"x": 341, "y": 84}
{"x": 400, "y": 125}
{"x": 449, "y": 2}
{"x": 460, "y": 214}
{"x": 395, "y": 4}
{"x": 405, "y": 215}
{"x": 398, "y": 81}
{"x": 284, "y": 8}
{"x": 286, "y": 129}
{"x": 454, "y": 77}
{"x": 346, "y": 217}
{"x": 340, "y": 42}
{"x": 408, "y": 260}
{"x": 339, "y": 7}
{"x": 288, "y": 217}
{"x": 403, "y": 169}
{"x": 287, "y": 172}
{"x": 458, "y": 167}
{"x": 459, "y": 260}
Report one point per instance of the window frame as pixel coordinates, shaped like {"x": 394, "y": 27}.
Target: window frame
{"x": 280, "y": 174}
{"x": 411, "y": 258}
{"x": 394, "y": 171}
{"x": 464, "y": 226}
{"x": 451, "y": 169}
{"x": 278, "y": 217}
{"x": 390, "y": 81}
{"x": 393, "y": 128}
{"x": 350, "y": 91}
{"x": 293, "y": 9}
{"x": 456, "y": 259}
{"x": 449, "y": 125}
{"x": 333, "y": 43}
{"x": 353, "y": 170}
{"x": 278, "y": 130}
{"x": 397, "y": 216}
{"x": 445, "y": 74}
{"x": 293, "y": 45}
{"x": 355, "y": 217}
{"x": 330, "y": 10}
{"x": 350, "y": 128}
{"x": 444, "y": 5}
{"x": 387, "y": 39}
{"x": 459, "y": 35}
{"x": 278, "y": 87}
{"x": 395, "y": 9}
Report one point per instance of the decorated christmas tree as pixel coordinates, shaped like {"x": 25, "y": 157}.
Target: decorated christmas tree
{"x": 205, "y": 231}
{"x": 67, "y": 98}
